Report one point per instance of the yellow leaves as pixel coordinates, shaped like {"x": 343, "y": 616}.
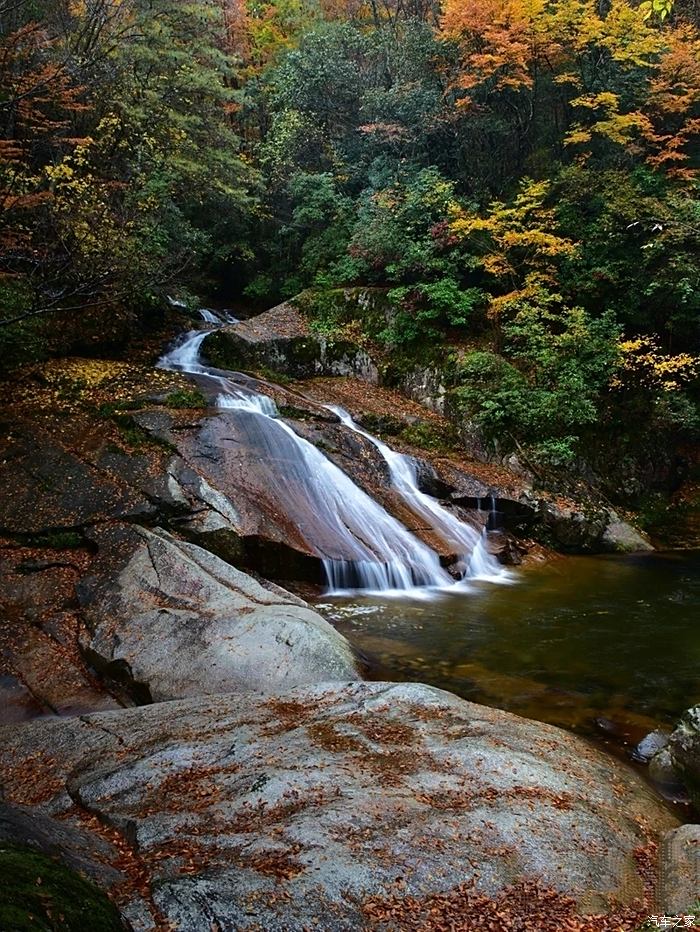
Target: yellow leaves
{"x": 643, "y": 364}
{"x": 61, "y": 172}
{"x": 606, "y": 99}
{"x": 578, "y": 136}
{"x": 547, "y": 244}
{"x": 620, "y": 128}
{"x": 516, "y": 239}
{"x": 83, "y": 372}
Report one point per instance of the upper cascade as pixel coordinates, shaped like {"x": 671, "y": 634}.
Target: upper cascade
{"x": 362, "y": 546}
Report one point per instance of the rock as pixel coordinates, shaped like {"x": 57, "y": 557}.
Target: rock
{"x": 593, "y": 528}
{"x": 663, "y": 772}
{"x": 679, "y": 872}
{"x": 173, "y": 620}
{"x": 503, "y": 547}
{"x": 426, "y": 385}
{"x": 54, "y": 489}
{"x": 291, "y": 813}
{"x": 684, "y": 748}
{"x": 240, "y": 503}
{"x": 280, "y": 340}
{"x": 41, "y": 669}
{"x": 78, "y": 848}
{"x": 650, "y": 745}
{"x": 621, "y": 537}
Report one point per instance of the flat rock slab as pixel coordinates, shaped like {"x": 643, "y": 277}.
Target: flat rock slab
{"x": 178, "y": 621}
{"x": 334, "y": 807}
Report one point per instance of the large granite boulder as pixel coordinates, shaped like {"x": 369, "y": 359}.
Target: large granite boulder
{"x": 173, "y": 620}
{"x": 345, "y": 807}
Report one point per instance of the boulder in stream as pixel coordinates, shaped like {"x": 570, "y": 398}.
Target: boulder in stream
{"x": 341, "y": 807}
{"x": 280, "y": 340}
{"x": 684, "y": 749}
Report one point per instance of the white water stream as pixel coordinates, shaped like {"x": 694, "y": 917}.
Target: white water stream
{"x": 379, "y": 554}
{"x": 469, "y": 544}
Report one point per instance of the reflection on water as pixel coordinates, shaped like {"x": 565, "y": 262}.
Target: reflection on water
{"x": 580, "y": 639}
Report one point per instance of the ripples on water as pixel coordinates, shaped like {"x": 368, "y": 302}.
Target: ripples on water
{"x": 580, "y": 639}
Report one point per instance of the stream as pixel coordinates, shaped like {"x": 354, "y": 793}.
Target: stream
{"x": 586, "y": 643}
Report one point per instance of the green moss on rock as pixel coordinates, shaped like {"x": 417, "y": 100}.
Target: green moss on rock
{"x": 39, "y": 894}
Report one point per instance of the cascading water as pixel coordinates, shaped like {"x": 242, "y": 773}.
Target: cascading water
{"x": 361, "y": 545}
{"x": 217, "y": 317}
{"x": 469, "y": 543}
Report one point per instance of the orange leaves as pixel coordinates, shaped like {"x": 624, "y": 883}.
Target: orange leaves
{"x": 511, "y": 45}
{"x": 674, "y": 97}
{"x": 498, "y": 38}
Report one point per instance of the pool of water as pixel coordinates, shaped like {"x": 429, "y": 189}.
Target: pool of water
{"x": 572, "y": 643}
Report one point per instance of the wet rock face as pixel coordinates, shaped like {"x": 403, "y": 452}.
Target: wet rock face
{"x": 280, "y": 340}
{"x": 294, "y": 811}
{"x": 172, "y": 620}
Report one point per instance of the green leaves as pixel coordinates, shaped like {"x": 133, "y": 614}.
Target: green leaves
{"x": 551, "y": 381}
{"x": 655, "y": 8}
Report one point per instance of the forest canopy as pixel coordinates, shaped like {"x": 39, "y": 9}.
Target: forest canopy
{"x": 519, "y": 177}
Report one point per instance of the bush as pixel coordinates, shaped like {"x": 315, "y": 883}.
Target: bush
{"x": 551, "y": 381}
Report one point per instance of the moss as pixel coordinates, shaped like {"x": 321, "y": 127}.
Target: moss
{"x": 440, "y": 438}
{"x": 109, "y": 408}
{"x": 39, "y": 894}
{"x": 136, "y": 437}
{"x": 222, "y": 352}
{"x": 55, "y": 540}
{"x": 185, "y": 398}
{"x": 272, "y": 375}
{"x": 382, "y": 424}
{"x": 334, "y": 311}
{"x": 296, "y": 414}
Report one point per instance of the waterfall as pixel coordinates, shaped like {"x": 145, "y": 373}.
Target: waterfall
{"x": 362, "y": 546}
{"x": 217, "y": 317}
{"x": 184, "y": 355}
{"x": 469, "y": 544}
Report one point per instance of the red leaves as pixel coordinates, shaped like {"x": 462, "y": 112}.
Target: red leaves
{"x": 523, "y": 907}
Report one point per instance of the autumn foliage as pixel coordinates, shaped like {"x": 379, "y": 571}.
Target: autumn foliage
{"x": 518, "y": 176}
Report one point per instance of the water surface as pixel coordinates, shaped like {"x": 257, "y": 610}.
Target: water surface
{"x": 580, "y": 639}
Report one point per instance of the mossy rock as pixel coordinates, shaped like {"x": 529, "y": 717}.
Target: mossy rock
{"x": 39, "y": 894}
